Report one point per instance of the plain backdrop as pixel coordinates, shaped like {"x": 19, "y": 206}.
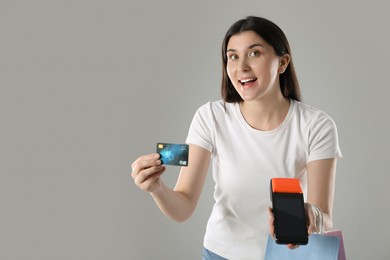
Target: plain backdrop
{"x": 87, "y": 86}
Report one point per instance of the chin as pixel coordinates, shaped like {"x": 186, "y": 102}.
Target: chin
{"x": 248, "y": 99}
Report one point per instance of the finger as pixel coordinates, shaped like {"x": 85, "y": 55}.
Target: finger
{"x": 152, "y": 178}
{"x": 146, "y": 157}
{"x": 143, "y": 162}
{"x": 152, "y": 182}
{"x": 272, "y": 231}
{"x": 271, "y": 222}
{"x": 292, "y": 246}
{"x": 146, "y": 173}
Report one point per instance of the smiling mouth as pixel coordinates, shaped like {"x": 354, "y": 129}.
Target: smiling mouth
{"x": 248, "y": 81}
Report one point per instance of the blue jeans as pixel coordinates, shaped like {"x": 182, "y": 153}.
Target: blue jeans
{"x": 208, "y": 255}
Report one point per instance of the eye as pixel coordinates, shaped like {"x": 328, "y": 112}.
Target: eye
{"x": 254, "y": 53}
{"x": 233, "y": 57}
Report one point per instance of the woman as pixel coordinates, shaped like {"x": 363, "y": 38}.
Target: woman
{"x": 259, "y": 130}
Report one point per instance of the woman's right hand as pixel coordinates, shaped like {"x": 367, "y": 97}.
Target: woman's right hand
{"x": 146, "y": 172}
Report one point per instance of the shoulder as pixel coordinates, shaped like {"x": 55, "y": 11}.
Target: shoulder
{"x": 311, "y": 115}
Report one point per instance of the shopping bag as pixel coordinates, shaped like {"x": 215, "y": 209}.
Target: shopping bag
{"x": 339, "y": 234}
{"x": 328, "y": 246}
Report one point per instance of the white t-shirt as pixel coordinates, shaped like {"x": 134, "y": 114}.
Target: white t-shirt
{"x": 243, "y": 162}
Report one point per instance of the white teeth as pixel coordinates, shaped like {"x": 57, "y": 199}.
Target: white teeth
{"x": 247, "y": 80}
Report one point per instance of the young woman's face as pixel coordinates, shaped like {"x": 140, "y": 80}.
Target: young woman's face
{"x": 253, "y": 67}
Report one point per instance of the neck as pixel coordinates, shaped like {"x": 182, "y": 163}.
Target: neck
{"x": 265, "y": 114}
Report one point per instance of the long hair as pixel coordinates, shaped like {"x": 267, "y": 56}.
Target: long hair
{"x": 274, "y": 36}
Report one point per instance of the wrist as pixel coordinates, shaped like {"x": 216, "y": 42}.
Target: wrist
{"x": 158, "y": 190}
{"x": 316, "y": 218}
{"x": 319, "y": 219}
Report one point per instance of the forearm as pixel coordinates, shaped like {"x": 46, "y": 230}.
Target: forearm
{"x": 174, "y": 204}
{"x": 321, "y": 181}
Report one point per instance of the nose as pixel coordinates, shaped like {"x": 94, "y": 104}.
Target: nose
{"x": 243, "y": 65}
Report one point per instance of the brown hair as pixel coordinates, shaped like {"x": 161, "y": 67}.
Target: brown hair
{"x": 274, "y": 36}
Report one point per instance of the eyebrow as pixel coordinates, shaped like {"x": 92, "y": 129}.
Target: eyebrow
{"x": 250, "y": 47}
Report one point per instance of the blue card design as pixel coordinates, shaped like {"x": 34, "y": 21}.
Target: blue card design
{"x": 173, "y": 154}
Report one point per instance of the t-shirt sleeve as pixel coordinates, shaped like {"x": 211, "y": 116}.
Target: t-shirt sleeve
{"x": 323, "y": 139}
{"x": 200, "y": 132}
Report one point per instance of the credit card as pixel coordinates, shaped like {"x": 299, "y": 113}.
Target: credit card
{"x": 173, "y": 154}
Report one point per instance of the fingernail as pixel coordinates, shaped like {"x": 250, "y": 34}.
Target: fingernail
{"x": 157, "y": 155}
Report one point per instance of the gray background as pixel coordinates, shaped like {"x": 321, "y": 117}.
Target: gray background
{"x": 88, "y": 86}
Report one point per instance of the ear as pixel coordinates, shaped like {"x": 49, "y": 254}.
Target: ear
{"x": 283, "y": 63}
